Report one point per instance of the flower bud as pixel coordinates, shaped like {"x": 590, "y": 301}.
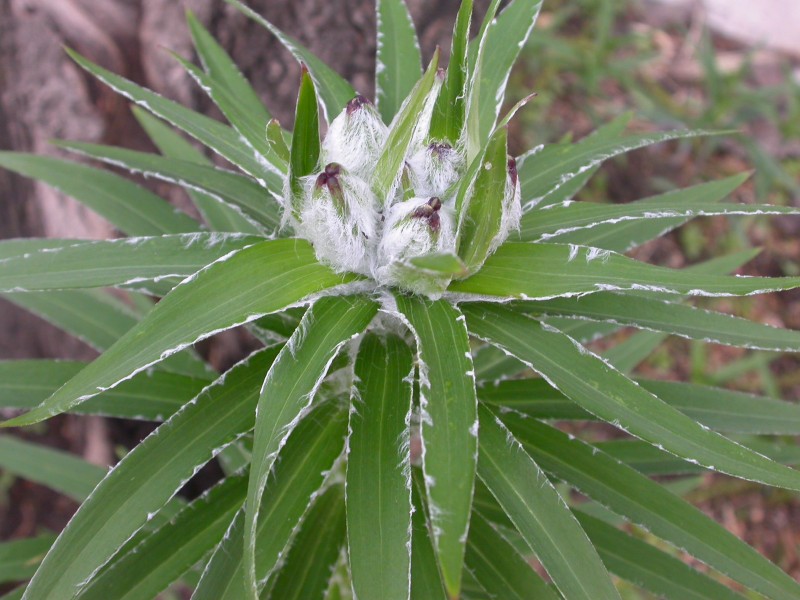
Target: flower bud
{"x": 340, "y": 220}
{"x": 434, "y": 169}
{"x": 355, "y": 138}
{"x": 512, "y": 206}
{"x": 413, "y": 228}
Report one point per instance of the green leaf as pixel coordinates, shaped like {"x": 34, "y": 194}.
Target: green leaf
{"x": 309, "y": 454}
{"x": 405, "y": 123}
{"x": 544, "y": 170}
{"x": 289, "y": 390}
{"x": 449, "y": 113}
{"x": 164, "y": 555}
{"x": 398, "y": 63}
{"x": 541, "y": 271}
{"x": 539, "y": 514}
{"x": 313, "y": 554}
{"x": 304, "y": 153}
{"x": 480, "y": 203}
{"x": 143, "y": 481}
{"x": 151, "y": 395}
{"x": 499, "y": 568}
{"x": 426, "y": 579}
{"x": 226, "y": 186}
{"x": 217, "y": 136}
{"x": 218, "y": 215}
{"x": 20, "y": 558}
{"x": 379, "y": 470}
{"x": 276, "y": 139}
{"x": 448, "y": 426}
{"x": 492, "y": 364}
{"x": 58, "y": 470}
{"x": 131, "y": 208}
{"x": 442, "y": 263}
{"x": 701, "y": 200}
{"x": 677, "y": 319}
{"x": 649, "y": 504}
{"x": 650, "y": 568}
{"x": 614, "y": 398}
{"x": 333, "y": 90}
{"x": 264, "y": 278}
{"x": 87, "y": 264}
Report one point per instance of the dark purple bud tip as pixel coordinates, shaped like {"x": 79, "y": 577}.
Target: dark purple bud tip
{"x": 439, "y": 149}
{"x": 356, "y": 103}
{"x": 512, "y": 171}
{"x": 430, "y": 212}
{"x": 435, "y": 203}
{"x": 330, "y": 177}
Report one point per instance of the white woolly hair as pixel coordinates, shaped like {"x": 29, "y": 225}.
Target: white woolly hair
{"x": 512, "y": 212}
{"x": 433, "y": 170}
{"x": 406, "y": 237}
{"x": 355, "y": 140}
{"x": 343, "y": 237}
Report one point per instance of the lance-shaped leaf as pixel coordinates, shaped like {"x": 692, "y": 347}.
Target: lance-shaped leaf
{"x": 568, "y": 217}
{"x": 426, "y": 578}
{"x": 649, "y": 504}
{"x": 149, "y": 475}
{"x": 544, "y": 170}
{"x": 87, "y": 264}
{"x": 669, "y": 317}
{"x": 404, "y": 126}
{"x": 646, "y": 566}
{"x": 164, "y": 555}
{"x": 334, "y": 91}
{"x": 542, "y": 271}
{"x": 448, "y": 428}
{"x": 309, "y": 454}
{"x": 289, "y": 390}
{"x": 607, "y": 393}
{"x": 226, "y": 186}
{"x": 20, "y": 558}
{"x": 540, "y": 514}
{"x": 311, "y": 559}
{"x": 398, "y": 63}
{"x": 378, "y": 478}
{"x": 304, "y": 153}
{"x": 449, "y": 113}
{"x": 237, "y": 289}
{"x": 220, "y": 216}
{"x": 499, "y": 567}
{"x": 480, "y": 203}
{"x": 150, "y": 395}
{"x": 217, "y": 136}
{"x": 132, "y": 209}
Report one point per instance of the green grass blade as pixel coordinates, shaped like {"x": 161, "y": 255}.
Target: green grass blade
{"x": 289, "y": 390}
{"x": 312, "y": 557}
{"x": 544, "y": 170}
{"x": 219, "y": 216}
{"x": 378, "y": 481}
{"x": 58, "y": 470}
{"x": 539, "y": 514}
{"x": 309, "y": 454}
{"x": 334, "y": 91}
{"x": 650, "y": 568}
{"x": 448, "y": 428}
{"x": 614, "y": 398}
{"x": 171, "y": 550}
{"x": 20, "y": 558}
{"x": 398, "y": 63}
{"x": 143, "y": 481}
{"x": 215, "y": 135}
{"x": 426, "y": 579}
{"x": 390, "y": 162}
{"x": 88, "y": 264}
{"x": 132, "y": 209}
{"x": 152, "y": 396}
{"x": 304, "y": 153}
{"x": 649, "y": 504}
{"x": 542, "y": 271}
{"x": 499, "y": 568}
{"x": 228, "y": 187}
{"x": 699, "y": 200}
{"x": 492, "y": 364}
{"x": 677, "y": 319}
{"x": 264, "y": 278}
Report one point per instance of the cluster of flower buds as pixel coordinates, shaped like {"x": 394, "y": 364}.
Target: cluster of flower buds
{"x": 353, "y": 230}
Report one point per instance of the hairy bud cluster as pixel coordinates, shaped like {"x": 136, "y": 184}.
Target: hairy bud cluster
{"x": 353, "y": 230}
